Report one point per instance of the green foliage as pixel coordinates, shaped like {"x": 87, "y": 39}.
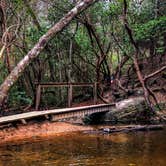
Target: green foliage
{"x": 105, "y": 16}
{"x": 3, "y": 71}
{"x": 18, "y": 4}
{"x": 154, "y": 30}
{"x": 151, "y": 30}
{"x": 82, "y": 39}
{"x": 58, "y": 9}
{"x": 160, "y": 106}
{"x": 160, "y": 50}
{"x": 98, "y": 12}
{"x": 141, "y": 13}
{"x": 34, "y": 34}
{"x": 115, "y": 9}
{"x": 18, "y": 97}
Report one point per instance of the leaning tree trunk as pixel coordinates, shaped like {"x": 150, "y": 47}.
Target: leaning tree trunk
{"x": 34, "y": 52}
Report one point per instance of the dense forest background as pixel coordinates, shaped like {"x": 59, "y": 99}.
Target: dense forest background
{"x": 119, "y": 44}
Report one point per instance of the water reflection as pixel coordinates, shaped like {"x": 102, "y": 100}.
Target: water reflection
{"x": 79, "y": 149}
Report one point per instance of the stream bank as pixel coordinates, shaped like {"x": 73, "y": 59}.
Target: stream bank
{"x": 131, "y": 111}
{"x": 38, "y": 130}
{"x": 46, "y": 130}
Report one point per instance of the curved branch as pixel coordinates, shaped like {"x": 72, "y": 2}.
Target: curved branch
{"x": 154, "y": 73}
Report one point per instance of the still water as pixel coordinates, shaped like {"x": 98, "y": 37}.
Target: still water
{"x": 82, "y": 149}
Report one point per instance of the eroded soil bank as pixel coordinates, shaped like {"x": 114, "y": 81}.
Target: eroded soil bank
{"x": 46, "y": 130}
{"x": 38, "y": 130}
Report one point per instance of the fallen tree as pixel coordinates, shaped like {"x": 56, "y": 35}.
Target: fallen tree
{"x": 132, "y": 128}
{"x": 35, "y": 51}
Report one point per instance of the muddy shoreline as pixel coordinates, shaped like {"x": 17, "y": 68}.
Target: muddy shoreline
{"x": 32, "y": 132}
{"x": 47, "y": 130}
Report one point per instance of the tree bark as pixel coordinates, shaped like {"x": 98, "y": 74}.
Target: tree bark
{"x": 35, "y": 51}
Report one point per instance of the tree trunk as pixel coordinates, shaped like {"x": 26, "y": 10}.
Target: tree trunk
{"x": 135, "y": 58}
{"x": 140, "y": 77}
{"x": 34, "y": 52}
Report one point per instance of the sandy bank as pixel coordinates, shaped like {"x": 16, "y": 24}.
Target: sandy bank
{"x": 38, "y": 130}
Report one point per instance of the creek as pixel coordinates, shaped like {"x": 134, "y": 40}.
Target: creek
{"x": 83, "y": 149}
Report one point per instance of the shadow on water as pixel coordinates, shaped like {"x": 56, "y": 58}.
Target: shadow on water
{"x": 129, "y": 149}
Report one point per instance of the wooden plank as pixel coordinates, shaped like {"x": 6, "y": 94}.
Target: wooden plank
{"x": 70, "y": 96}
{"x": 23, "y": 121}
{"x": 54, "y": 86}
{"x": 38, "y": 96}
{"x": 46, "y": 116}
{"x": 29, "y": 115}
{"x": 65, "y": 83}
{"x": 95, "y": 92}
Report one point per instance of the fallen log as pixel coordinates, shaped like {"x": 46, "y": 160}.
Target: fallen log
{"x": 132, "y": 128}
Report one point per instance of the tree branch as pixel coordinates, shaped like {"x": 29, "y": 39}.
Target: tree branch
{"x": 154, "y": 73}
{"x": 35, "y": 51}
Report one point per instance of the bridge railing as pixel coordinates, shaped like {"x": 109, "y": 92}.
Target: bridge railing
{"x": 70, "y": 86}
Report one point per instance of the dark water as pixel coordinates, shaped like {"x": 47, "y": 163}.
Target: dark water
{"x": 80, "y": 149}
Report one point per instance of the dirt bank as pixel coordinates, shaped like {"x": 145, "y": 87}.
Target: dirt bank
{"x": 46, "y": 130}
{"x": 38, "y": 130}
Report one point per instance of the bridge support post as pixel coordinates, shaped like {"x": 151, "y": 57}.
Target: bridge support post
{"x": 70, "y": 95}
{"x": 38, "y": 96}
{"x": 95, "y": 92}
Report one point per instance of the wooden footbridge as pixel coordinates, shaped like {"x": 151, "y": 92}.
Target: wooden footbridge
{"x": 57, "y": 114}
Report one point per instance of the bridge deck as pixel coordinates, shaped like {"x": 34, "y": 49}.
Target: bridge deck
{"x": 58, "y": 113}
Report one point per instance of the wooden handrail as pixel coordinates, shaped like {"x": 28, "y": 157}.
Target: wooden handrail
{"x": 69, "y": 85}
{"x": 65, "y": 83}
